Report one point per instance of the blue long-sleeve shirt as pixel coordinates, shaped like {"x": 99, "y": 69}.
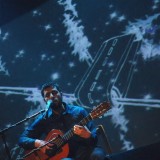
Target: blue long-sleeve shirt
{"x": 64, "y": 122}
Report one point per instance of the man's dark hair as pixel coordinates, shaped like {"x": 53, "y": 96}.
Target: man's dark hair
{"x": 49, "y": 84}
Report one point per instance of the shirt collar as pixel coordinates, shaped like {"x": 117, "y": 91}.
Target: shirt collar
{"x": 51, "y": 113}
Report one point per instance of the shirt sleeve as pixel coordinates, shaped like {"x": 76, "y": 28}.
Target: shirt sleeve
{"x": 33, "y": 132}
{"x": 92, "y": 140}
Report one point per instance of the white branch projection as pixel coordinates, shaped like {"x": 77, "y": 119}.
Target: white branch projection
{"x": 142, "y": 27}
{"x": 3, "y": 68}
{"x": 33, "y": 94}
{"x": 77, "y": 39}
{"x": 4, "y": 36}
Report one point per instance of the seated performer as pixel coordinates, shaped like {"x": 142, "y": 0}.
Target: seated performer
{"x": 81, "y": 140}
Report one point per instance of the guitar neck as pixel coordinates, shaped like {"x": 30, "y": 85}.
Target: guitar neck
{"x": 70, "y": 133}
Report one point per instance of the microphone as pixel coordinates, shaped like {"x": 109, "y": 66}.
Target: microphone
{"x": 49, "y": 103}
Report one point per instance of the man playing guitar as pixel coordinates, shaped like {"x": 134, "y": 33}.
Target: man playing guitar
{"x": 79, "y": 143}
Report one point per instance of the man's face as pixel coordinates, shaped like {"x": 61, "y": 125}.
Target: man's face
{"x": 53, "y": 94}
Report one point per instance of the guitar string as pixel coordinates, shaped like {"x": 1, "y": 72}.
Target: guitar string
{"x": 59, "y": 141}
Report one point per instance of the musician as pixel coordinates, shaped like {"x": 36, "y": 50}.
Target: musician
{"x": 62, "y": 116}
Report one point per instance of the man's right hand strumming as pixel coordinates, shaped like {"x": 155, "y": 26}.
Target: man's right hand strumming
{"x": 39, "y": 143}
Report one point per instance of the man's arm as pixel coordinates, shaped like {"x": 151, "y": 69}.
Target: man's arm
{"x": 31, "y": 134}
{"x": 88, "y": 133}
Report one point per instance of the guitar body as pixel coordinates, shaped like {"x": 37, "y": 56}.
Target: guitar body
{"x": 62, "y": 153}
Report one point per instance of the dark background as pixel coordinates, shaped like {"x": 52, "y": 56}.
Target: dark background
{"x": 96, "y": 50}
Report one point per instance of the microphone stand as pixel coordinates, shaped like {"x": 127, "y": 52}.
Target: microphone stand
{"x": 2, "y": 132}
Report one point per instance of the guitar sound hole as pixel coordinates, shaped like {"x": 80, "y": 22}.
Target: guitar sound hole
{"x": 51, "y": 152}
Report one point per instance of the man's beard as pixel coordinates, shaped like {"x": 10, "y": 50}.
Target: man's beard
{"x": 56, "y": 105}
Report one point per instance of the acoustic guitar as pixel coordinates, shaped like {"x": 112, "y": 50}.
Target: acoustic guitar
{"x": 60, "y": 148}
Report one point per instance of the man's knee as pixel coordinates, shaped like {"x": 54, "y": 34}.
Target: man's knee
{"x": 98, "y": 154}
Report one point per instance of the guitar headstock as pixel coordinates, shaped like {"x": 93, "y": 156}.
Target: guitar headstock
{"x": 100, "y": 110}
